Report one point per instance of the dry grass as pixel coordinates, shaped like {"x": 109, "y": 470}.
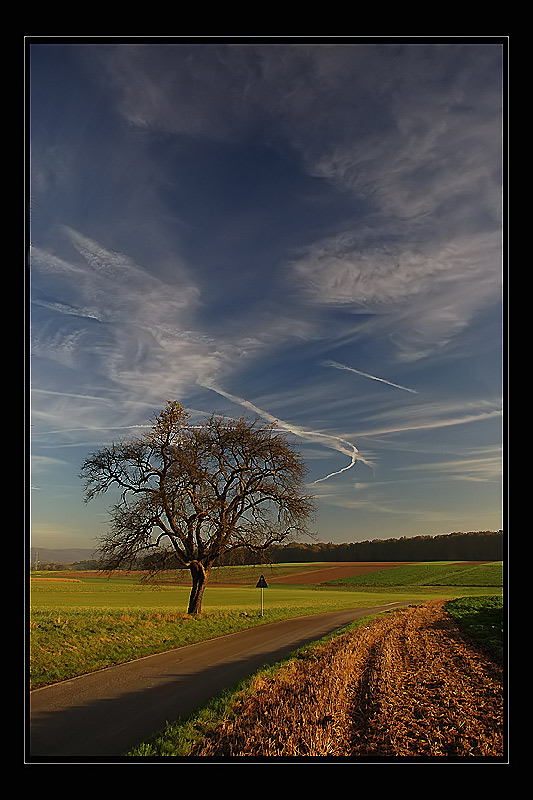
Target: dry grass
{"x": 407, "y": 684}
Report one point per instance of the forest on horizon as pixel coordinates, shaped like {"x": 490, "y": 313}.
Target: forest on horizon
{"x": 456, "y": 546}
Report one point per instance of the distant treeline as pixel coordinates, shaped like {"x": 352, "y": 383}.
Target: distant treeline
{"x": 471, "y": 546}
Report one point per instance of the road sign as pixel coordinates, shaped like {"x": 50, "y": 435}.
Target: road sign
{"x": 261, "y": 584}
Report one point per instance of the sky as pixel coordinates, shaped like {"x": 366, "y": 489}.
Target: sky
{"x": 304, "y": 232}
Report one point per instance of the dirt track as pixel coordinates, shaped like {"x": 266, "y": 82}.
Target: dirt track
{"x": 408, "y": 684}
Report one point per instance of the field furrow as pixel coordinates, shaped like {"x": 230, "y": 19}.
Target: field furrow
{"x": 408, "y": 683}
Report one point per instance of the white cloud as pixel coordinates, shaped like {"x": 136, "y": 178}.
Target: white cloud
{"x": 128, "y": 339}
{"x": 421, "y": 298}
{"x": 437, "y": 151}
{"x": 429, "y": 415}
{"x": 482, "y": 465}
{"x": 413, "y": 133}
{"x": 425, "y": 253}
{"x": 341, "y": 498}
{"x": 43, "y": 463}
{"x": 144, "y": 342}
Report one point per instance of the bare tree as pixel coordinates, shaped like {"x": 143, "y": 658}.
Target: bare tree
{"x": 193, "y": 492}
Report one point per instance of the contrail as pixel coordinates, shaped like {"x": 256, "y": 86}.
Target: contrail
{"x": 336, "y": 365}
{"x": 91, "y": 428}
{"x": 333, "y": 442}
{"x": 352, "y": 463}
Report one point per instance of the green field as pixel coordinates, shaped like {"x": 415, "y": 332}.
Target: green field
{"x": 94, "y": 621}
{"x": 127, "y": 594}
{"x": 432, "y": 573}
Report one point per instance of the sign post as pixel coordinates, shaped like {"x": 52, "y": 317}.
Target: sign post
{"x": 261, "y": 584}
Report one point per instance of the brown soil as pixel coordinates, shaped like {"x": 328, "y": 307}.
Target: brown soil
{"x": 342, "y": 569}
{"x": 64, "y": 580}
{"x": 338, "y": 570}
{"x": 407, "y": 684}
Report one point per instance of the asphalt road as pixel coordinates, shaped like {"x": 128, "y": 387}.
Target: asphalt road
{"x": 107, "y": 712}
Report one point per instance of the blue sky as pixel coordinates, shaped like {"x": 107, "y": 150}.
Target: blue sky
{"x": 306, "y": 233}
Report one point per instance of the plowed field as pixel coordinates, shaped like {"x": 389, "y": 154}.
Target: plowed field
{"x": 298, "y": 575}
{"x": 341, "y": 570}
{"x": 407, "y": 684}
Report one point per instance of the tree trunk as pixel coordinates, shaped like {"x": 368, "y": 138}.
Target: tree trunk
{"x": 199, "y": 575}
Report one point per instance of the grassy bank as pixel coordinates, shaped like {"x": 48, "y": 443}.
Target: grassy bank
{"x": 482, "y": 619}
{"x": 78, "y": 641}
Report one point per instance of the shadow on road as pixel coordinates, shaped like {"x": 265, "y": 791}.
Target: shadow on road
{"x": 106, "y": 713}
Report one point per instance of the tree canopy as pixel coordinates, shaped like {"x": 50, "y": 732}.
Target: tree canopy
{"x": 193, "y": 492}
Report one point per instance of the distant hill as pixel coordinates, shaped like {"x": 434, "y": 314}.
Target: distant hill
{"x": 60, "y": 556}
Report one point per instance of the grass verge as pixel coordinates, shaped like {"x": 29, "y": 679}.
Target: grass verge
{"x": 178, "y": 738}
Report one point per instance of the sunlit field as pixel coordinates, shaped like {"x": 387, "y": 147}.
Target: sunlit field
{"x": 99, "y": 593}
{"x": 80, "y": 622}
{"x": 434, "y": 573}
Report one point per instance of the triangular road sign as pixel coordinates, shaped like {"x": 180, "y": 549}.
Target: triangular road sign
{"x": 261, "y": 583}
